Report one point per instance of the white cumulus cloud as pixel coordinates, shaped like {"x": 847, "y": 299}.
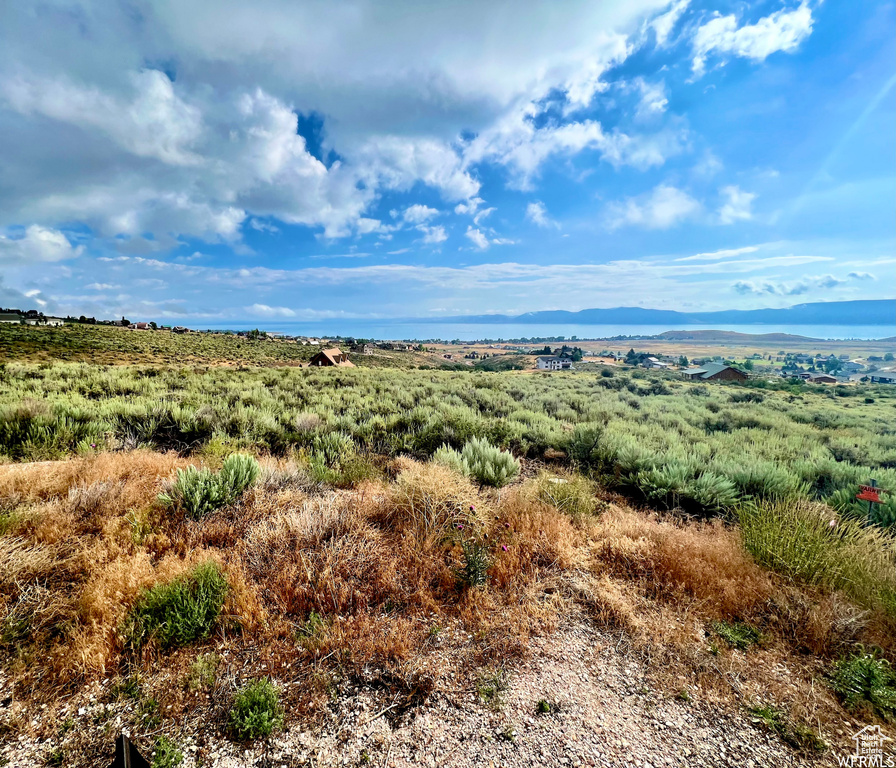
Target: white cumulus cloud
{"x": 737, "y": 205}
{"x": 38, "y": 244}
{"x": 661, "y": 208}
{"x": 782, "y": 30}
{"x": 537, "y": 213}
{"x": 263, "y": 310}
{"x": 478, "y": 238}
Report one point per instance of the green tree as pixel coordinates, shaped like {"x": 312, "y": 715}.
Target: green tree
{"x": 888, "y": 357}
{"x": 832, "y": 365}
{"x": 748, "y": 365}
{"x": 683, "y": 361}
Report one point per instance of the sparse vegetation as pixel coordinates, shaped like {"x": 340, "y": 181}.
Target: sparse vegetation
{"x": 866, "y": 682}
{"x": 491, "y": 685}
{"x": 199, "y": 492}
{"x": 180, "y": 611}
{"x": 166, "y": 754}
{"x": 256, "y": 710}
{"x": 737, "y": 634}
{"x": 346, "y": 512}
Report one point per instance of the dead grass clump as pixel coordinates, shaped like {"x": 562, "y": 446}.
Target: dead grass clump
{"x": 366, "y": 637}
{"x": 288, "y": 529}
{"x": 705, "y": 561}
{"x": 282, "y": 475}
{"x": 140, "y": 472}
{"x": 824, "y": 624}
{"x": 617, "y": 604}
{"x": 23, "y": 561}
{"x": 531, "y": 537}
{"x": 429, "y": 500}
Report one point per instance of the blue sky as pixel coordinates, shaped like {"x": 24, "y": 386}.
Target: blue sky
{"x": 206, "y": 162}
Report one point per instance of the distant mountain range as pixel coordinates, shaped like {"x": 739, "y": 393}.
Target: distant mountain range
{"x": 864, "y": 312}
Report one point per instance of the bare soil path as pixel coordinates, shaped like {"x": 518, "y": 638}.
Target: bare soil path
{"x": 604, "y": 711}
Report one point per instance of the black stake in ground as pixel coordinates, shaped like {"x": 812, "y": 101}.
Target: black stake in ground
{"x": 127, "y": 756}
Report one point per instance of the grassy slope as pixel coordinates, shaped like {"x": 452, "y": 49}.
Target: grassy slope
{"x": 375, "y": 583}
{"x": 326, "y": 591}
{"x": 116, "y": 346}
{"x": 677, "y": 443}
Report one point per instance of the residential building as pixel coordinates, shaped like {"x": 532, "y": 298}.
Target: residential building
{"x": 331, "y": 357}
{"x": 714, "y": 372}
{"x": 554, "y": 363}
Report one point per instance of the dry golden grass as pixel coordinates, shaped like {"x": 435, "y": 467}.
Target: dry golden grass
{"x": 703, "y": 562}
{"x": 360, "y": 578}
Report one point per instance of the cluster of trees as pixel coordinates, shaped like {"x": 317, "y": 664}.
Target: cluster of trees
{"x": 574, "y": 353}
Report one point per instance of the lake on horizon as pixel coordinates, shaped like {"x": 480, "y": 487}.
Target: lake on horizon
{"x": 432, "y": 331}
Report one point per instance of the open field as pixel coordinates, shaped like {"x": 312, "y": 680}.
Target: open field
{"x": 111, "y": 345}
{"x": 702, "y": 447}
{"x": 694, "y": 344}
{"x": 421, "y": 547}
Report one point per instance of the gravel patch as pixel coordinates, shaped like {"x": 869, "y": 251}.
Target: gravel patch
{"x": 577, "y": 701}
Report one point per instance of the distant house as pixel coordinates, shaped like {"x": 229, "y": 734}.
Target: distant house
{"x": 330, "y": 357}
{"x": 139, "y": 326}
{"x": 715, "y": 372}
{"x": 883, "y": 379}
{"x": 852, "y": 366}
{"x": 364, "y": 349}
{"x": 53, "y": 322}
{"x": 11, "y": 317}
{"x": 653, "y": 362}
{"x": 822, "y": 378}
{"x": 553, "y": 363}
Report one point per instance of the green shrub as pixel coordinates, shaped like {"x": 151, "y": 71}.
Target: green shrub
{"x": 866, "y": 681}
{"x": 179, "y": 611}
{"x": 448, "y": 457}
{"x": 573, "y": 495}
{"x": 476, "y": 560}
{"x": 331, "y": 448}
{"x": 167, "y": 755}
{"x": 806, "y": 541}
{"x": 481, "y": 461}
{"x": 487, "y": 464}
{"x": 199, "y": 492}
{"x": 736, "y": 634}
{"x": 586, "y": 445}
{"x": 256, "y": 711}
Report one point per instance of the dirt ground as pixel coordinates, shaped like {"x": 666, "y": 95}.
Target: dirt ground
{"x": 581, "y": 699}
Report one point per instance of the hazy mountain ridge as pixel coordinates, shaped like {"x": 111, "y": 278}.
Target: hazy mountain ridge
{"x": 860, "y": 312}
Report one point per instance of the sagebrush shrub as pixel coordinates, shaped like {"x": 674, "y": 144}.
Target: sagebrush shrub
{"x": 448, "y": 457}
{"x": 180, "y": 611}
{"x": 256, "y": 710}
{"x": 481, "y": 461}
{"x": 198, "y": 492}
{"x": 487, "y": 464}
{"x": 332, "y": 448}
